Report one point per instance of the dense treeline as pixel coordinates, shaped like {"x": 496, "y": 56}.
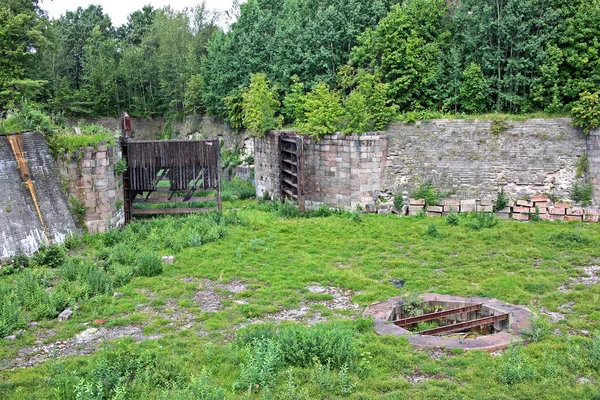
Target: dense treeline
{"x": 454, "y": 56}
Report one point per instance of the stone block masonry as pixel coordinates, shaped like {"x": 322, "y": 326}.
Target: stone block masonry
{"x": 461, "y": 157}
{"x": 92, "y": 180}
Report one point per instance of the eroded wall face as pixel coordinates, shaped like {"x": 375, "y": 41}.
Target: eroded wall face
{"x": 21, "y": 228}
{"x": 468, "y": 160}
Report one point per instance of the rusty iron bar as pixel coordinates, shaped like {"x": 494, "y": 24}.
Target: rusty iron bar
{"x": 436, "y": 315}
{"x": 465, "y": 325}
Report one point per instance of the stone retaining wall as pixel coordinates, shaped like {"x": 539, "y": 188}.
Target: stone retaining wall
{"x": 93, "y": 181}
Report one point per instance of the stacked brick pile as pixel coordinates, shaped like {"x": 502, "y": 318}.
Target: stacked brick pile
{"x": 521, "y": 210}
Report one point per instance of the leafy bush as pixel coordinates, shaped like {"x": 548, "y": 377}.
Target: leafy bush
{"x": 294, "y": 102}
{"x": 238, "y": 188}
{"x": 11, "y": 316}
{"x": 68, "y": 143}
{"x": 50, "y": 256}
{"x": 78, "y": 208}
{"x": 72, "y": 268}
{"x": 234, "y": 108}
{"x": 428, "y": 193}
{"x": 97, "y": 282}
{"x": 323, "y": 111}
{"x": 569, "y": 238}
{"x": 480, "y": 220}
{"x": 398, "y": 201}
{"x": 260, "y": 104}
{"x": 474, "y": 90}
{"x": 501, "y": 201}
{"x": 28, "y": 118}
{"x": 120, "y": 167}
{"x": 149, "y": 265}
{"x": 582, "y": 193}
{"x": 261, "y": 366}
{"x": 586, "y": 111}
{"x": 453, "y": 219}
{"x": 432, "y": 231}
{"x": 538, "y": 330}
{"x": 514, "y": 367}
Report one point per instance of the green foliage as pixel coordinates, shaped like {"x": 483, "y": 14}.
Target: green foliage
{"x": 501, "y": 201}
{"x": 78, "y": 208}
{"x": 538, "y": 330}
{"x": 427, "y": 192}
{"x": 50, "y": 256}
{"x": 27, "y": 118}
{"x": 194, "y": 103}
{"x": 433, "y": 231}
{"x": 120, "y": 167}
{"x": 586, "y": 111}
{"x": 569, "y": 238}
{"x": 98, "y": 282}
{"x": 68, "y": 143}
{"x": 260, "y": 105}
{"x": 357, "y": 115}
{"x": 473, "y": 93}
{"x": 398, "y": 201}
{"x": 239, "y": 188}
{"x": 582, "y": 193}
{"x": 293, "y": 103}
{"x": 234, "y": 108}
{"x": 481, "y": 220}
{"x": 323, "y": 111}
{"x": 514, "y": 367}
{"x": 498, "y": 125}
{"x": 453, "y": 219}
{"x": 11, "y": 316}
{"x": 149, "y": 265}
{"x": 260, "y": 369}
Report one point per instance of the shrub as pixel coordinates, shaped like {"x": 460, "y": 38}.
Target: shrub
{"x": 67, "y": 143}
{"x": 398, "y": 201}
{"x": 514, "y": 367}
{"x": 11, "y": 316}
{"x": 260, "y": 104}
{"x": 453, "y": 219}
{"x": 473, "y": 93}
{"x": 238, "y": 188}
{"x": 50, "y": 256}
{"x": 428, "y": 193}
{"x": 97, "y": 282}
{"x": 582, "y": 193}
{"x": 480, "y": 220}
{"x": 501, "y": 201}
{"x": 72, "y": 268}
{"x": 261, "y": 366}
{"x": 323, "y": 111}
{"x": 432, "y": 231}
{"x": 78, "y": 209}
{"x": 586, "y": 111}
{"x": 294, "y": 102}
{"x": 538, "y": 330}
{"x": 28, "y": 118}
{"x": 120, "y": 167}
{"x": 357, "y": 116}
{"x": 569, "y": 238}
{"x": 149, "y": 265}
{"x": 122, "y": 274}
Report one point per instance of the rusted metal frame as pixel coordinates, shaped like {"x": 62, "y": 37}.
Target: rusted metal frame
{"x": 300, "y": 156}
{"x": 436, "y": 315}
{"x": 465, "y": 325}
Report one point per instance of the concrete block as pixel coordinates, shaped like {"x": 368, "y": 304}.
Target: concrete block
{"x": 574, "y": 218}
{"x": 521, "y": 209}
{"x": 574, "y": 211}
{"x": 591, "y": 218}
{"x": 483, "y": 208}
{"x": 557, "y": 217}
{"x": 562, "y": 204}
{"x": 65, "y": 315}
{"x": 486, "y": 202}
{"x": 506, "y": 210}
{"x": 524, "y": 203}
{"x": 468, "y": 206}
{"x": 539, "y": 198}
{"x": 417, "y": 202}
{"x": 435, "y": 209}
{"x": 414, "y": 210}
{"x": 520, "y": 217}
{"x": 168, "y": 259}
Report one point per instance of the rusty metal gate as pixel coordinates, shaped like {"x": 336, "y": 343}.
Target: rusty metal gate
{"x": 164, "y": 176}
{"x": 291, "y": 169}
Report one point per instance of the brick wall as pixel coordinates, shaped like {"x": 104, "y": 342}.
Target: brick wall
{"x": 92, "y": 179}
{"x": 267, "y": 164}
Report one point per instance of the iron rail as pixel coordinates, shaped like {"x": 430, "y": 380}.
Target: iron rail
{"x": 436, "y": 315}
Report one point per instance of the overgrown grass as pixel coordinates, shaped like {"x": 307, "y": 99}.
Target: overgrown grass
{"x": 277, "y": 258}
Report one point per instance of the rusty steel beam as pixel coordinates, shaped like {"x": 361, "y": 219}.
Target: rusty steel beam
{"x": 465, "y": 325}
{"x": 436, "y": 315}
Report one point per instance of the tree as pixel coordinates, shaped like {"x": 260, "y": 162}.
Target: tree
{"x": 21, "y": 33}
{"x": 473, "y": 93}
{"x": 260, "y": 106}
{"x": 323, "y": 111}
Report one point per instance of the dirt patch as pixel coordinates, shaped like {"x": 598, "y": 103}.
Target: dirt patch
{"x": 210, "y": 294}
{"x": 84, "y": 343}
{"x": 590, "y": 276}
{"x": 342, "y": 298}
{"x": 554, "y": 316}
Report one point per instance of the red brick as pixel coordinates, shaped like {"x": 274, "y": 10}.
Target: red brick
{"x": 541, "y": 204}
{"x": 545, "y": 217}
{"x": 520, "y": 217}
{"x": 591, "y": 218}
{"x": 573, "y": 217}
{"x": 541, "y": 210}
{"x": 562, "y": 204}
{"x": 592, "y": 211}
{"x": 574, "y": 211}
{"x": 524, "y": 203}
{"x": 556, "y": 211}
{"x": 520, "y": 209}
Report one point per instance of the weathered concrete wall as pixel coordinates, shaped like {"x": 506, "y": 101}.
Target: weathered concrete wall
{"x": 93, "y": 180}
{"x": 466, "y": 159}
{"x": 461, "y": 157}
{"x": 20, "y": 227}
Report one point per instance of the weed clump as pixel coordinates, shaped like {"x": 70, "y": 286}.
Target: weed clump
{"x": 514, "y": 367}
{"x": 428, "y": 193}
{"x": 480, "y": 220}
{"x": 569, "y": 238}
{"x": 453, "y": 219}
{"x": 149, "y": 265}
